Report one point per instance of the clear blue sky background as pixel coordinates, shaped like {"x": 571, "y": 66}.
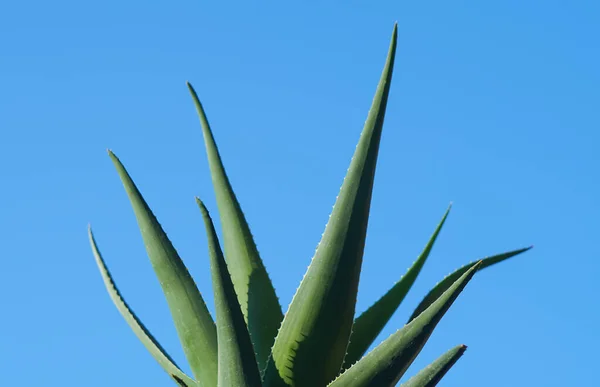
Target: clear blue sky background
{"x": 494, "y": 106}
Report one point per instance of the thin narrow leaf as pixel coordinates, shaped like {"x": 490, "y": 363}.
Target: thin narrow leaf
{"x": 449, "y": 279}
{"x": 194, "y": 324}
{"x": 253, "y": 286}
{"x": 155, "y": 349}
{"x": 431, "y": 375}
{"x": 237, "y": 362}
{"x": 370, "y": 323}
{"x": 385, "y": 365}
{"x": 310, "y": 346}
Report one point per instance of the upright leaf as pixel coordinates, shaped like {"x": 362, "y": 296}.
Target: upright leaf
{"x": 195, "y": 326}
{"x": 371, "y": 322}
{"x": 237, "y": 362}
{"x": 449, "y": 279}
{"x": 310, "y": 346}
{"x": 155, "y": 349}
{"x": 385, "y": 365}
{"x": 253, "y": 286}
{"x": 431, "y": 375}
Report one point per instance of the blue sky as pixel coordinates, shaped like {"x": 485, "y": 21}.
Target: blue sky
{"x": 494, "y": 106}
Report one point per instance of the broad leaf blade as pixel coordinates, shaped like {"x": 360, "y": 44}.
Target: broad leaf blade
{"x": 253, "y": 286}
{"x": 449, "y": 279}
{"x": 371, "y": 322}
{"x": 310, "y": 346}
{"x": 431, "y": 375}
{"x": 192, "y": 319}
{"x": 385, "y": 365}
{"x": 237, "y": 362}
{"x": 155, "y": 349}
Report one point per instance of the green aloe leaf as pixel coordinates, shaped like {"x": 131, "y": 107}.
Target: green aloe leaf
{"x": 155, "y": 349}
{"x": 237, "y": 362}
{"x": 310, "y": 346}
{"x": 194, "y": 324}
{"x": 431, "y": 375}
{"x": 253, "y": 286}
{"x": 449, "y": 279}
{"x": 385, "y": 365}
{"x": 179, "y": 381}
{"x": 371, "y": 322}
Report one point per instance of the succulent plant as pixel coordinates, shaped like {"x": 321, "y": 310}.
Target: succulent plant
{"x": 318, "y": 341}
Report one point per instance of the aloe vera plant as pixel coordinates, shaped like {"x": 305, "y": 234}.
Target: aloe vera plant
{"x": 318, "y": 341}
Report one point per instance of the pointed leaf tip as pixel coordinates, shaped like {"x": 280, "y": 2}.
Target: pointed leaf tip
{"x": 388, "y": 362}
{"x": 312, "y": 341}
{"x": 254, "y": 288}
{"x": 372, "y": 321}
{"x": 449, "y": 279}
{"x": 190, "y": 87}
{"x": 237, "y": 361}
{"x": 143, "y": 334}
{"x": 431, "y": 375}
{"x": 193, "y": 322}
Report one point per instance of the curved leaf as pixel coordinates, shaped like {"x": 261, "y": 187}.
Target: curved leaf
{"x": 431, "y": 375}
{"x": 193, "y": 321}
{"x": 449, "y": 279}
{"x": 237, "y": 362}
{"x": 155, "y": 349}
{"x": 372, "y": 321}
{"x": 385, "y": 365}
{"x": 310, "y": 346}
{"x": 253, "y": 286}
